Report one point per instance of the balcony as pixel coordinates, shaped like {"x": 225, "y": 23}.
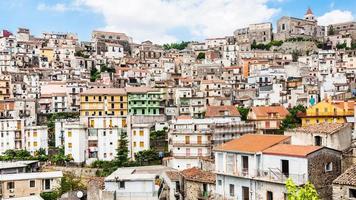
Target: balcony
{"x": 191, "y": 143}
{"x": 190, "y": 155}
{"x": 270, "y": 175}
{"x": 207, "y": 131}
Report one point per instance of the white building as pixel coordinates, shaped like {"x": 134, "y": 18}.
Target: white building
{"x": 75, "y": 145}
{"x": 36, "y": 138}
{"x": 257, "y": 167}
{"x": 136, "y": 183}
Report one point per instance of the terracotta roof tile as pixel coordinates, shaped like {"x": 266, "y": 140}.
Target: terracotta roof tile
{"x": 262, "y": 111}
{"x": 221, "y": 111}
{"x": 326, "y": 128}
{"x": 291, "y": 150}
{"x": 253, "y": 143}
{"x": 347, "y": 178}
{"x": 196, "y": 174}
{"x": 103, "y": 91}
{"x": 173, "y": 175}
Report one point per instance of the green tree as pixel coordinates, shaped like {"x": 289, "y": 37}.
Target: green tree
{"x": 122, "y": 151}
{"x": 49, "y": 195}
{"x": 306, "y": 192}
{"x": 147, "y": 157}
{"x": 201, "y": 56}
{"x": 331, "y": 30}
{"x": 41, "y": 155}
{"x": 179, "y": 46}
{"x": 243, "y": 112}
{"x": 293, "y": 120}
{"x": 70, "y": 182}
{"x": 94, "y": 74}
{"x": 341, "y": 46}
{"x": 60, "y": 158}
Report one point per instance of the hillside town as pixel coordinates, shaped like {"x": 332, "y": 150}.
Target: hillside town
{"x": 266, "y": 113}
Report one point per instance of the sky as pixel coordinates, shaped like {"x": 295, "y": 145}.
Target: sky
{"x": 162, "y": 21}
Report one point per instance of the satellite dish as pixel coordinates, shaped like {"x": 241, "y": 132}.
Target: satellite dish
{"x": 80, "y": 194}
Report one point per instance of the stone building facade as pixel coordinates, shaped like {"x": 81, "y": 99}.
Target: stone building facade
{"x": 344, "y": 187}
{"x": 291, "y": 27}
{"x": 324, "y": 166}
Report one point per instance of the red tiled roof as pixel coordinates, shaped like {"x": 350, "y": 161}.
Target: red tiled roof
{"x": 253, "y": 143}
{"x": 198, "y": 175}
{"x": 221, "y": 111}
{"x": 291, "y": 150}
{"x": 262, "y": 111}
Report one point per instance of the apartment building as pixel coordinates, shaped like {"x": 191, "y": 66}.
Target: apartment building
{"x": 104, "y": 102}
{"x": 328, "y": 112}
{"x": 257, "y": 167}
{"x": 145, "y": 101}
{"x": 36, "y": 138}
{"x": 75, "y": 136}
{"x": 104, "y": 133}
{"x": 29, "y": 184}
{"x": 189, "y": 139}
{"x": 11, "y": 134}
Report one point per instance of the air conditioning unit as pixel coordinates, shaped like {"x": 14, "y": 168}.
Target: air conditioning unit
{"x": 11, "y": 190}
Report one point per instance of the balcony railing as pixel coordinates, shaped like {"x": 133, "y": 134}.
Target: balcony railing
{"x": 191, "y": 143}
{"x": 271, "y": 174}
{"x": 191, "y": 155}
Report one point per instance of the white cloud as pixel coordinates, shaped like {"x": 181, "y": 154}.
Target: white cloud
{"x": 335, "y": 16}
{"x": 155, "y": 19}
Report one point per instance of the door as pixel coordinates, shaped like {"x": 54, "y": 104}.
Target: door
{"x": 285, "y": 167}
{"x": 245, "y": 193}
{"x": 245, "y": 165}
{"x": 187, "y": 139}
{"x": 187, "y": 152}
{"x": 199, "y": 139}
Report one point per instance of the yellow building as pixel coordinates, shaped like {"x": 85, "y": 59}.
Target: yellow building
{"x": 328, "y": 112}
{"x": 103, "y": 102}
{"x": 47, "y": 53}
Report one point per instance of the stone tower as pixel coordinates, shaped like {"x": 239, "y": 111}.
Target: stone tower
{"x": 309, "y": 15}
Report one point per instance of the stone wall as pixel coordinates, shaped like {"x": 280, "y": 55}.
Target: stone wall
{"x": 321, "y": 179}
{"x": 193, "y": 190}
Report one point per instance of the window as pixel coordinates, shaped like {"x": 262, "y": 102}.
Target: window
{"x": 141, "y": 132}
{"x": 329, "y": 167}
{"x": 220, "y": 182}
{"x": 317, "y": 140}
{"x": 232, "y": 190}
{"x": 32, "y": 183}
{"x": 35, "y": 144}
{"x": 134, "y": 133}
{"x": 285, "y": 167}
{"x": 69, "y": 145}
{"x": 10, "y": 185}
{"x": 352, "y": 193}
{"x": 47, "y": 184}
{"x": 134, "y": 144}
{"x": 142, "y": 144}
{"x": 86, "y": 98}
{"x": 122, "y": 184}
{"x": 35, "y": 134}
{"x": 269, "y": 195}
{"x": 69, "y": 133}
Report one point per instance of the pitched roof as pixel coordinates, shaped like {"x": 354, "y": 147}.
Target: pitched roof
{"x": 252, "y": 143}
{"x": 173, "y": 175}
{"x": 309, "y": 12}
{"x": 325, "y": 128}
{"x": 291, "y": 150}
{"x": 262, "y": 111}
{"x": 221, "y": 111}
{"x": 347, "y": 178}
{"x": 198, "y": 175}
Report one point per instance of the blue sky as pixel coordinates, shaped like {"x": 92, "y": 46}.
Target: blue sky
{"x": 160, "y": 20}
